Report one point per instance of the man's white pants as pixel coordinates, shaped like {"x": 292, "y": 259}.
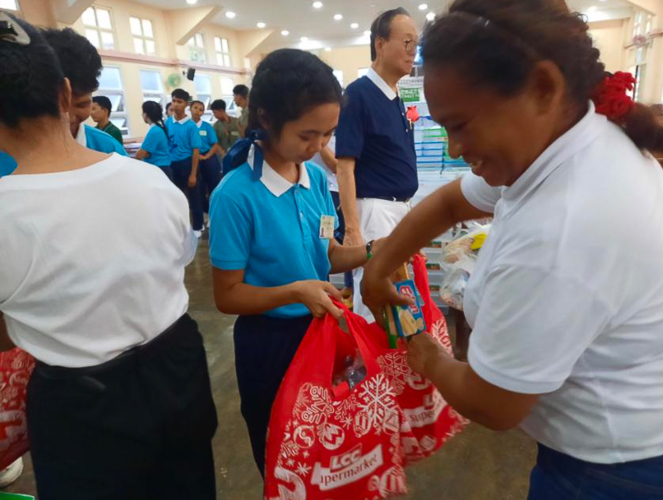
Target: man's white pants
{"x": 377, "y": 219}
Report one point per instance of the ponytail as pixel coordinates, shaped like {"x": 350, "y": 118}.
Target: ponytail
{"x": 154, "y": 112}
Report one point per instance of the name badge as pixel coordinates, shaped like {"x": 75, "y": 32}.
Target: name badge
{"x": 327, "y": 227}
{"x": 203, "y": 133}
{"x": 234, "y": 133}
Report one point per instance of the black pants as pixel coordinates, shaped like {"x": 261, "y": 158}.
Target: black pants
{"x": 264, "y": 348}
{"x": 210, "y": 171}
{"x": 181, "y": 174}
{"x": 138, "y": 427}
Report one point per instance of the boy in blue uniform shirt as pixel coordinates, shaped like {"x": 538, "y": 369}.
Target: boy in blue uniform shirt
{"x": 81, "y": 64}
{"x": 210, "y": 166}
{"x": 185, "y": 145}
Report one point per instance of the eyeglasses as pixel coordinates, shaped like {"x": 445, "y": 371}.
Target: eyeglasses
{"x": 411, "y": 46}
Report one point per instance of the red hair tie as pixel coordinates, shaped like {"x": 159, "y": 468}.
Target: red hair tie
{"x": 611, "y": 98}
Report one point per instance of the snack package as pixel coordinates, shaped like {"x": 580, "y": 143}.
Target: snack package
{"x": 409, "y": 320}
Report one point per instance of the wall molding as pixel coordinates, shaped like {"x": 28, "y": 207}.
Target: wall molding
{"x": 113, "y": 55}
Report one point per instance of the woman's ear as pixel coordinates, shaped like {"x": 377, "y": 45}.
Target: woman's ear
{"x": 547, "y": 86}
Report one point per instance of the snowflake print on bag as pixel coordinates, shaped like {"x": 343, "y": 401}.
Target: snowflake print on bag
{"x": 395, "y": 367}
{"x": 440, "y": 333}
{"x": 318, "y": 408}
{"x": 377, "y": 400}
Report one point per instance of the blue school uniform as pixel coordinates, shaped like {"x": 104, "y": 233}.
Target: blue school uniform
{"x": 270, "y": 228}
{"x": 7, "y": 164}
{"x": 207, "y": 136}
{"x": 96, "y": 139}
{"x": 183, "y": 137}
{"x": 156, "y": 143}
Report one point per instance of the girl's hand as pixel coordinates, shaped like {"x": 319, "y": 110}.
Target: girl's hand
{"x": 423, "y": 353}
{"x": 315, "y": 295}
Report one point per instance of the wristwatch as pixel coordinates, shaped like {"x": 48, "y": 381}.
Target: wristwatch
{"x": 369, "y": 249}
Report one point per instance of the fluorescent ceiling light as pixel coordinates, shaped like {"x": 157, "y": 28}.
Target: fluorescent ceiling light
{"x": 285, "y": 32}
{"x": 423, "y": 6}
{"x": 430, "y": 16}
{"x": 354, "y": 26}
{"x": 231, "y": 15}
{"x": 261, "y": 25}
{"x": 317, "y": 5}
{"x": 338, "y": 17}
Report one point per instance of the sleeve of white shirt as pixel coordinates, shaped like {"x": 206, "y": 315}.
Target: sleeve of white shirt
{"x": 532, "y": 326}
{"x": 479, "y": 193}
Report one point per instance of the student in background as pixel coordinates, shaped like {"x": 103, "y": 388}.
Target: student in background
{"x": 81, "y": 64}
{"x": 241, "y": 96}
{"x": 93, "y": 255}
{"x": 185, "y": 144}
{"x": 210, "y": 167}
{"x": 169, "y": 111}
{"x": 226, "y": 127}
{"x": 154, "y": 149}
{"x": 101, "y": 112}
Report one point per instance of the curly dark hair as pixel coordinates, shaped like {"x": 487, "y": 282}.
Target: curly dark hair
{"x": 288, "y": 83}
{"x": 31, "y": 79}
{"x": 497, "y": 43}
{"x": 79, "y": 60}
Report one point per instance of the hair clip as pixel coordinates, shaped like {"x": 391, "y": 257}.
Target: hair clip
{"x": 11, "y": 31}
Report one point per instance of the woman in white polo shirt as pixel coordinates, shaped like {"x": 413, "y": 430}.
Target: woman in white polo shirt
{"x": 566, "y": 301}
{"x": 93, "y": 251}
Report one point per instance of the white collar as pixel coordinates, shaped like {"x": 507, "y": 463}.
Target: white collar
{"x": 183, "y": 120}
{"x": 381, "y": 84}
{"x": 81, "y": 138}
{"x": 275, "y": 182}
{"x": 200, "y": 123}
{"x": 572, "y": 142}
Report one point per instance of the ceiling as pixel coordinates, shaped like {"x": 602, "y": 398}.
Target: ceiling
{"x": 318, "y": 25}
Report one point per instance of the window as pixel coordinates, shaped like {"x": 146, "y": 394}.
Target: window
{"x": 110, "y": 85}
{"x": 227, "y": 86}
{"x": 339, "y": 76}
{"x": 143, "y": 34}
{"x": 203, "y": 85}
{"x": 152, "y": 86}
{"x": 99, "y": 27}
{"x": 197, "y": 48}
{"x": 222, "y": 51}
{"x": 9, "y": 4}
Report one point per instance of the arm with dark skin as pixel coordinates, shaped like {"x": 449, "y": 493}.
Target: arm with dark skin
{"x": 142, "y": 154}
{"x": 469, "y": 394}
{"x": 193, "y": 179}
{"x": 211, "y": 152}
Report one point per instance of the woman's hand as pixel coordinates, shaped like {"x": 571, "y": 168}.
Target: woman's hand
{"x": 193, "y": 181}
{"x": 379, "y": 292}
{"x": 315, "y": 295}
{"x": 423, "y": 353}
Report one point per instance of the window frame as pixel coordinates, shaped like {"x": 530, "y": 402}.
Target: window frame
{"x": 222, "y": 56}
{"x": 121, "y": 92}
{"x": 153, "y": 95}
{"x": 99, "y": 29}
{"x": 195, "y": 48}
{"x": 143, "y": 37}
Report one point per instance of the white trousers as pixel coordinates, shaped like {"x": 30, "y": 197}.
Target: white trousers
{"x": 377, "y": 219}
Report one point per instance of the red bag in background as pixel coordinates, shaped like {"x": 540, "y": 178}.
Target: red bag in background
{"x": 432, "y": 421}
{"x": 15, "y": 369}
{"x": 327, "y": 442}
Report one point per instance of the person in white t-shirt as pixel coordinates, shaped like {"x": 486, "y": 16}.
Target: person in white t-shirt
{"x": 94, "y": 249}
{"x": 566, "y": 300}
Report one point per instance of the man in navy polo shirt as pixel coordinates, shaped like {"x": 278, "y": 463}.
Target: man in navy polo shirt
{"x": 377, "y": 170}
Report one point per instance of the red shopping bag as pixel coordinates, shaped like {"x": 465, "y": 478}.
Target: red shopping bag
{"x": 15, "y": 369}
{"x": 327, "y": 442}
{"x": 432, "y": 421}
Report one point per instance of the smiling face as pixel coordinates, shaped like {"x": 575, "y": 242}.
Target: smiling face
{"x": 499, "y": 136}
{"x": 79, "y": 111}
{"x": 301, "y": 139}
{"x": 399, "y": 51}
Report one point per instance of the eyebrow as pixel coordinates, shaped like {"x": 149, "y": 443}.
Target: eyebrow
{"x": 313, "y": 131}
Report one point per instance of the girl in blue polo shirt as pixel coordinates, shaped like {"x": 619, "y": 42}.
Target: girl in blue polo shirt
{"x": 272, "y": 228}
{"x": 155, "y": 149}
